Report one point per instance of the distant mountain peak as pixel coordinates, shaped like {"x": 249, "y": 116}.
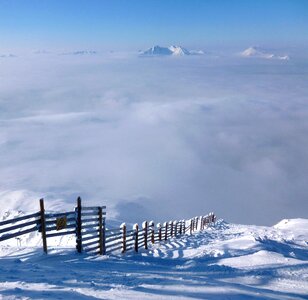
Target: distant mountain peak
{"x": 172, "y": 50}
{"x": 259, "y": 52}
{"x": 80, "y": 52}
{"x": 157, "y": 50}
{"x": 178, "y": 50}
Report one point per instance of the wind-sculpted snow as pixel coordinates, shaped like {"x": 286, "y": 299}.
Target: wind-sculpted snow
{"x": 227, "y": 261}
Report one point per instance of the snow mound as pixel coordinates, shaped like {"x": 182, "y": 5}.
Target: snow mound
{"x": 258, "y": 52}
{"x": 293, "y": 224}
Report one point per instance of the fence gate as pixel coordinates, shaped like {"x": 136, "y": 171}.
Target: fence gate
{"x": 90, "y": 228}
{"x": 86, "y": 223}
{"x": 55, "y": 224}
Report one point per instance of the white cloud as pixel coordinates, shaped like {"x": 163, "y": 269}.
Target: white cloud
{"x": 181, "y": 136}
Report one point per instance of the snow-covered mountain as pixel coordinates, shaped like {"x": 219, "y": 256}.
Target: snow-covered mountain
{"x": 157, "y": 50}
{"x": 178, "y": 50}
{"x": 262, "y": 53}
{"x": 172, "y": 50}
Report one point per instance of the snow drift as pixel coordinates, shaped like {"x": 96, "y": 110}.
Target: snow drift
{"x": 228, "y": 261}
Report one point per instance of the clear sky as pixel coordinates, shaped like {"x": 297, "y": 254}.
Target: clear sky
{"x": 130, "y": 23}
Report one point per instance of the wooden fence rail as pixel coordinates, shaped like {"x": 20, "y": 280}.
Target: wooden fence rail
{"x": 88, "y": 225}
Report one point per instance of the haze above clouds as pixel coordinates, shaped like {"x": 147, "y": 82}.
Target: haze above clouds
{"x": 170, "y": 137}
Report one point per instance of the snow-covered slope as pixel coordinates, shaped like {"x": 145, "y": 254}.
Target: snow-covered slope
{"x": 262, "y": 53}
{"x": 157, "y": 50}
{"x": 172, "y": 50}
{"x": 178, "y": 50}
{"x": 229, "y": 261}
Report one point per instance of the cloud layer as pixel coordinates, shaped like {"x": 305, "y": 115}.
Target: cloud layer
{"x": 172, "y": 137}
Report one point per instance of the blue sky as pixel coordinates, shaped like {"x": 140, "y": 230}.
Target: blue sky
{"x": 136, "y": 23}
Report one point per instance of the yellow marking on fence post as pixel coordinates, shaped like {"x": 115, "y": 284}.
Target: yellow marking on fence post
{"x": 61, "y": 223}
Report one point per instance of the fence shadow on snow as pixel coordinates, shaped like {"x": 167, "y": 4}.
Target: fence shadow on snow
{"x": 88, "y": 225}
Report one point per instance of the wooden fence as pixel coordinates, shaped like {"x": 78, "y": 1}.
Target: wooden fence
{"x": 88, "y": 225}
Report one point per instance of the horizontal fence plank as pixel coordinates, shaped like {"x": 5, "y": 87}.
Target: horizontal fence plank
{"x": 113, "y": 229}
{"x": 88, "y": 238}
{"x": 90, "y": 249}
{"x": 58, "y": 215}
{"x": 90, "y": 243}
{"x": 130, "y": 236}
{"x": 90, "y": 220}
{"x": 113, "y": 249}
{"x": 22, "y": 225}
{"x": 51, "y": 228}
{"x": 129, "y": 248}
{"x": 108, "y": 235}
{"x": 14, "y": 220}
{"x": 114, "y": 242}
{"x": 89, "y": 214}
{"x": 54, "y": 221}
{"x": 131, "y": 243}
{"x": 90, "y": 232}
{"x": 48, "y": 235}
{"x": 12, "y": 235}
{"x": 95, "y": 208}
{"x": 89, "y": 226}
{"x": 113, "y": 239}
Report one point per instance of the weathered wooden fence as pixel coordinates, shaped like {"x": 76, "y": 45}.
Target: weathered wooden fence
{"x": 88, "y": 225}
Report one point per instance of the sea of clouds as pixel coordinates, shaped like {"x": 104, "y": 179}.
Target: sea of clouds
{"x": 156, "y": 138}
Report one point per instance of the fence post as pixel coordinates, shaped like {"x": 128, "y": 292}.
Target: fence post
{"x": 191, "y": 225}
{"x": 43, "y": 225}
{"x": 104, "y": 237}
{"x": 151, "y": 224}
{"x": 136, "y": 237}
{"x": 123, "y": 227}
{"x": 100, "y": 228}
{"x": 181, "y": 227}
{"x": 78, "y": 226}
{"x": 145, "y": 234}
{"x": 171, "y": 233}
{"x": 175, "y": 228}
{"x": 159, "y": 231}
{"x": 166, "y": 230}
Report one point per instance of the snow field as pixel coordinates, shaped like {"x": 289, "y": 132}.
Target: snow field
{"x": 229, "y": 261}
